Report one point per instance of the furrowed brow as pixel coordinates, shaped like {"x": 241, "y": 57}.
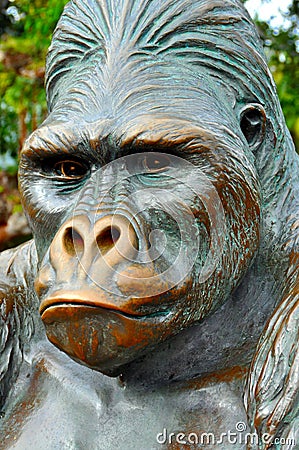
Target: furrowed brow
{"x": 187, "y": 138}
{"x": 47, "y": 141}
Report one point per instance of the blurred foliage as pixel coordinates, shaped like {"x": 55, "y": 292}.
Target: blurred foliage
{"x": 25, "y": 30}
{"x": 25, "y": 33}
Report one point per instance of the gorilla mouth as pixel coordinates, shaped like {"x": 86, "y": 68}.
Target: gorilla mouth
{"x": 72, "y": 301}
{"x": 99, "y": 337}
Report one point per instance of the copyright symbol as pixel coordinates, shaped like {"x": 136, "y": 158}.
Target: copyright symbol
{"x": 240, "y": 427}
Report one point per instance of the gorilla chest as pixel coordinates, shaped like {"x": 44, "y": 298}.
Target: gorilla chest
{"x": 55, "y": 410}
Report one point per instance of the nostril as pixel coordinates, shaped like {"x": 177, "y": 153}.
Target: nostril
{"x": 107, "y": 238}
{"x": 115, "y": 233}
{"x": 73, "y": 242}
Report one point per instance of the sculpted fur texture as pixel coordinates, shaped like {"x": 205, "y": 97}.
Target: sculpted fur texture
{"x": 162, "y": 193}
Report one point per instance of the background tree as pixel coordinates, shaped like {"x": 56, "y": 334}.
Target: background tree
{"x": 25, "y": 29}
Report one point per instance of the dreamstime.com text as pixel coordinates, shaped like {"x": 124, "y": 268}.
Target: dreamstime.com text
{"x": 236, "y": 436}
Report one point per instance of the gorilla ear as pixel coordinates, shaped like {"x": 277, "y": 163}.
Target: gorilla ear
{"x": 253, "y": 125}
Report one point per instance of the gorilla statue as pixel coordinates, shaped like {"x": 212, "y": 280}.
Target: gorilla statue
{"x": 157, "y": 304}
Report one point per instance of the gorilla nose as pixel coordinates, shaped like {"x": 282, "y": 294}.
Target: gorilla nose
{"x": 111, "y": 237}
{"x": 105, "y": 238}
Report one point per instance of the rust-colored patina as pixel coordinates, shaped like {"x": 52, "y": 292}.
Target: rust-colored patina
{"x": 162, "y": 193}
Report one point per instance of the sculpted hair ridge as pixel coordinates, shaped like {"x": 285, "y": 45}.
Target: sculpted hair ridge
{"x": 220, "y": 36}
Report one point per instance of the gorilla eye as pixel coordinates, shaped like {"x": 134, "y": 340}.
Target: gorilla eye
{"x": 155, "y": 162}
{"x": 253, "y": 124}
{"x": 70, "y": 169}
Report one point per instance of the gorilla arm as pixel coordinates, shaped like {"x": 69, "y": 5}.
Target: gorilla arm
{"x": 17, "y": 308}
{"x": 272, "y": 390}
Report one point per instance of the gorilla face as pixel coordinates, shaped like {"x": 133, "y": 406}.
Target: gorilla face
{"x": 144, "y": 220}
